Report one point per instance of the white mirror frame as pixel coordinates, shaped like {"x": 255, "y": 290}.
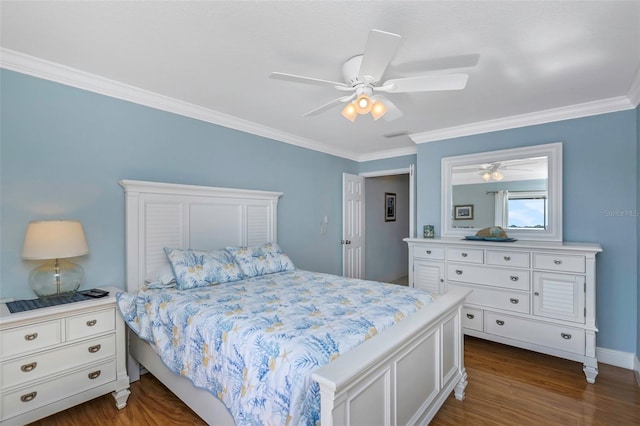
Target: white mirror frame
{"x": 552, "y": 151}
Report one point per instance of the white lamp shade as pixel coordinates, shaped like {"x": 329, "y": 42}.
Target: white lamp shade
{"x": 54, "y": 239}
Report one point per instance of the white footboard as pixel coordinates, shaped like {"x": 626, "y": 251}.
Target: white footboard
{"x": 406, "y": 374}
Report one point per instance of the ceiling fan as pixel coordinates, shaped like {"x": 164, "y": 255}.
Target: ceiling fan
{"x": 492, "y": 171}
{"x": 363, "y": 81}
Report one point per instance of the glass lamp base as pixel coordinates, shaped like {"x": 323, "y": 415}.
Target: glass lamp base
{"x": 56, "y": 278}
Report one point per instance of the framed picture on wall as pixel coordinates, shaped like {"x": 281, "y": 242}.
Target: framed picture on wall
{"x": 389, "y": 207}
{"x": 463, "y": 212}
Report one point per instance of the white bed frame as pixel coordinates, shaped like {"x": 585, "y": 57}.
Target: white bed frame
{"x": 401, "y": 376}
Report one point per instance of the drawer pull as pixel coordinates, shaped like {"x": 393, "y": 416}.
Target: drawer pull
{"x": 30, "y": 337}
{"x": 464, "y": 254}
{"x": 514, "y": 278}
{"x": 28, "y": 367}
{"x": 557, "y": 262}
{"x": 428, "y": 251}
{"x": 91, "y": 323}
{"x": 28, "y": 396}
{"x": 471, "y": 316}
{"x": 535, "y": 293}
{"x": 499, "y": 322}
{"x": 514, "y": 300}
{"x": 565, "y": 336}
{"x": 94, "y": 375}
{"x": 507, "y": 258}
{"x": 459, "y": 271}
{"x": 93, "y": 349}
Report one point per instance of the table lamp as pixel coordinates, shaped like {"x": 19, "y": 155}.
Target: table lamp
{"x": 55, "y": 240}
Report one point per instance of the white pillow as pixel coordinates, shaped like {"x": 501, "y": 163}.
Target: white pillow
{"x": 161, "y": 278}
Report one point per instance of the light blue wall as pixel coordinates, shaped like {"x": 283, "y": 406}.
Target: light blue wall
{"x": 63, "y": 151}
{"x": 600, "y": 167}
{"x": 386, "y": 255}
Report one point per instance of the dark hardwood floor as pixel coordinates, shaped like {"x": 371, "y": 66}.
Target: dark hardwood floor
{"x": 507, "y": 386}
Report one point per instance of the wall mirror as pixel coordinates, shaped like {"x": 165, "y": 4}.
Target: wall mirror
{"x": 518, "y": 189}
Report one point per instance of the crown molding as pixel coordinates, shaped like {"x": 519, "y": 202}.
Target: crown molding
{"x": 381, "y": 155}
{"x": 586, "y": 109}
{"x": 40, "y": 68}
{"x": 634, "y": 91}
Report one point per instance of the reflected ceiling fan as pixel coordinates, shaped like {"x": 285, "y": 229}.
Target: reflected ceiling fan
{"x": 492, "y": 171}
{"x": 363, "y": 81}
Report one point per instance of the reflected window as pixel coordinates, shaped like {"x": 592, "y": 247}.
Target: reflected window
{"x": 527, "y": 210}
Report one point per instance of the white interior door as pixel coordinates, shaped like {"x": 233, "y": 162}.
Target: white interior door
{"x": 352, "y": 226}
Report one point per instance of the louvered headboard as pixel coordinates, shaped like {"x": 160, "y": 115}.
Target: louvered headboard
{"x": 162, "y": 215}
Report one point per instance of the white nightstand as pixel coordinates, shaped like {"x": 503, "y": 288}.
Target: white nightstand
{"x": 54, "y": 358}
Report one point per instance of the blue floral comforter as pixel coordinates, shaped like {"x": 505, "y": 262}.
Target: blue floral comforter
{"x": 254, "y": 343}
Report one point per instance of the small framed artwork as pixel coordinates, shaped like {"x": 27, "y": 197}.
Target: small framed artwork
{"x": 463, "y": 212}
{"x": 389, "y": 207}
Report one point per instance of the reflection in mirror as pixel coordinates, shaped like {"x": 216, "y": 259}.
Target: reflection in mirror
{"x": 518, "y": 189}
{"x": 511, "y": 194}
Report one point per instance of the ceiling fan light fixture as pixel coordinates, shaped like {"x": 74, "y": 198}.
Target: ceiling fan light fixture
{"x": 497, "y": 175}
{"x": 378, "y": 109}
{"x": 349, "y": 112}
{"x": 486, "y": 176}
{"x": 363, "y": 104}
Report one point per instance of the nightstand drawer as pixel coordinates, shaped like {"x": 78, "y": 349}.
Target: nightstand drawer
{"x": 30, "y": 338}
{"x": 39, "y": 365}
{"x": 90, "y": 324}
{"x": 40, "y": 394}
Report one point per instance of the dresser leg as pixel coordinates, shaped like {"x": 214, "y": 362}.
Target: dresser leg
{"x": 591, "y": 370}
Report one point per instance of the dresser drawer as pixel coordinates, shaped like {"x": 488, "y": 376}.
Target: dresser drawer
{"x": 550, "y": 335}
{"x": 472, "y": 318}
{"x": 39, "y": 365}
{"x": 515, "y": 279}
{"x": 426, "y": 252}
{"x": 90, "y": 324}
{"x": 498, "y": 299}
{"x": 40, "y": 394}
{"x": 30, "y": 338}
{"x": 508, "y": 258}
{"x": 465, "y": 255}
{"x": 559, "y": 262}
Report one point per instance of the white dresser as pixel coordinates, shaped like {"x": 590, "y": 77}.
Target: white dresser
{"x": 54, "y": 358}
{"x": 539, "y": 296}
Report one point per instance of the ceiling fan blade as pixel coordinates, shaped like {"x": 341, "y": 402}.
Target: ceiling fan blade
{"x": 329, "y": 105}
{"x": 427, "y": 83}
{"x": 305, "y": 80}
{"x": 381, "y": 46}
{"x": 393, "y": 112}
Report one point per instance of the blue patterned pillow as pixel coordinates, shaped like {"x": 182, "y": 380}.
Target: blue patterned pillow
{"x": 260, "y": 260}
{"x": 194, "y": 268}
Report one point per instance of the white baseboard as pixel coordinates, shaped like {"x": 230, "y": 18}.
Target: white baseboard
{"x": 627, "y": 360}
{"x": 636, "y": 369}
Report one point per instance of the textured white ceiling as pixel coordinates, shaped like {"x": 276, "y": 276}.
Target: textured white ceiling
{"x": 522, "y": 58}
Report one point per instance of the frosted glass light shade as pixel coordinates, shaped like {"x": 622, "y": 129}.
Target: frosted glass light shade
{"x": 349, "y": 112}
{"x": 56, "y": 278}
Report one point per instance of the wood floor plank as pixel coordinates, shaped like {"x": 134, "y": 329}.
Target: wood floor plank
{"x": 507, "y": 386}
